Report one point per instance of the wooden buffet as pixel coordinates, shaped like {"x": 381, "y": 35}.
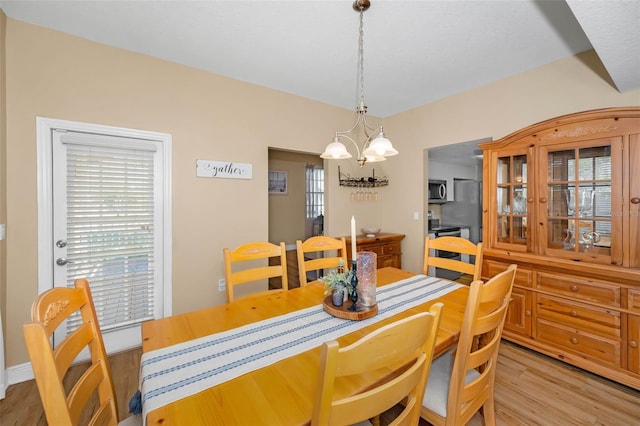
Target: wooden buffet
{"x": 562, "y": 201}
{"x": 387, "y": 246}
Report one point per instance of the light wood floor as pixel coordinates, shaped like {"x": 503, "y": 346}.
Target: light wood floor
{"x": 531, "y": 389}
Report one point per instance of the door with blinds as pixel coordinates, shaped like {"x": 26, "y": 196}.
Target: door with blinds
{"x": 107, "y": 227}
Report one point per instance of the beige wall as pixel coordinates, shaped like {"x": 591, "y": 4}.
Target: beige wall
{"x": 214, "y": 118}
{"x": 54, "y": 75}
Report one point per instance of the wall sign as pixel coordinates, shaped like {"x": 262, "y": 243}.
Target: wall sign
{"x": 224, "y": 169}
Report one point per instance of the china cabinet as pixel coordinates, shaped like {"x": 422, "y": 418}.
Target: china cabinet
{"x": 562, "y": 201}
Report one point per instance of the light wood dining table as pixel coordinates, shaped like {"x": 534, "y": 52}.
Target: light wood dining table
{"x": 282, "y": 393}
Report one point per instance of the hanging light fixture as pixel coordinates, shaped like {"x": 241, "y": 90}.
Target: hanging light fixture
{"x": 375, "y": 147}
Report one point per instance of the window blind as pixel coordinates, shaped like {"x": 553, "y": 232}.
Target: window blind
{"x": 314, "y": 191}
{"x": 110, "y": 229}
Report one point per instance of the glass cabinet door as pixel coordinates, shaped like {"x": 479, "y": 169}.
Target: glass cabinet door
{"x": 581, "y": 185}
{"x": 511, "y": 199}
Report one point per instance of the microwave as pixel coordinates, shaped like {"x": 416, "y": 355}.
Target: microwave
{"x": 437, "y": 191}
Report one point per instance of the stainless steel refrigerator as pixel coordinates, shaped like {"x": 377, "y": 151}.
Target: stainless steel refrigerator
{"x": 466, "y": 209}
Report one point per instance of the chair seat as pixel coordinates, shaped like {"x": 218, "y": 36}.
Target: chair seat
{"x": 133, "y": 420}
{"x": 437, "y": 390}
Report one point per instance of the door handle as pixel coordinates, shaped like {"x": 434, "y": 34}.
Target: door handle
{"x": 61, "y": 261}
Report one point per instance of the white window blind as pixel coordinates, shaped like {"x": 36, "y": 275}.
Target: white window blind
{"x": 315, "y": 191}
{"x": 110, "y": 228}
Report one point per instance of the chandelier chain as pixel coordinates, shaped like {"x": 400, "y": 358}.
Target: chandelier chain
{"x": 375, "y": 146}
{"x": 361, "y": 56}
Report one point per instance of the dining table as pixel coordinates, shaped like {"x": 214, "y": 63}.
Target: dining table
{"x": 283, "y": 392}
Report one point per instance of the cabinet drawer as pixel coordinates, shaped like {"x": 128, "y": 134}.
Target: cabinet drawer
{"x": 376, "y": 249}
{"x": 580, "y": 343}
{"x": 491, "y": 268}
{"x": 391, "y": 249}
{"x": 392, "y": 261}
{"x": 578, "y": 288}
{"x": 586, "y": 318}
{"x": 633, "y": 300}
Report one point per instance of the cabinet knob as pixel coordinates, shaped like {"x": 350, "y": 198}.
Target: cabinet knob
{"x": 573, "y": 313}
{"x": 635, "y": 200}
{"x": 633, "y": 344}
{"x": 527, "y": 313}
{"x": 574, "y": 340}
{"x": 574, "y": 288}
{"x": 543, "y": 200}
{"x": 530, "y": 200}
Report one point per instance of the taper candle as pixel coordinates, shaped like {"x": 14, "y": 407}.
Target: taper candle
{"x": 354, "y": 256}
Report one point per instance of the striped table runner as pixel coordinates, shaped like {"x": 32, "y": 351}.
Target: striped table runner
{"x": 177, "y": 371}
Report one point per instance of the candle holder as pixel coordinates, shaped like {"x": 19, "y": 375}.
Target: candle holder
{"x": 354, "y": 286}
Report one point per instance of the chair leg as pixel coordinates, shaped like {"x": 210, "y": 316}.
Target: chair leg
{"x": 375, "y": 421}
{"x": 489, "y": 412}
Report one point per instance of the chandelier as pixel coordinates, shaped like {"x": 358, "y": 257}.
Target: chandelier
{"x": 375, "y": 146}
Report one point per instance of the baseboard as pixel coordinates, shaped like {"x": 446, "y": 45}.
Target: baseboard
{"x": 19, "y": 373}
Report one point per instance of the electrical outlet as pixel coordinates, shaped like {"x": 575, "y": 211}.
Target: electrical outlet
{"x": 222, "y": 284}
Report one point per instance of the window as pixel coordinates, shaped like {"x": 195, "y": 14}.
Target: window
{"x": 315, "y": 191}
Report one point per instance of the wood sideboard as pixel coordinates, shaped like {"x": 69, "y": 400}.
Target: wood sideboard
{"x": 387, "y": 247}
{"x": 562, "y": 201}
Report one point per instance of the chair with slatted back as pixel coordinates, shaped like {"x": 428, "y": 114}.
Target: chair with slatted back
{"x": 452, "y": 245}
{"x": 319, "y": 246}
{"x": 405, "y": 347}
{"x": 241, "y": 265}
{"x": 51, "y": 365}
{"x": 462, "y": 380}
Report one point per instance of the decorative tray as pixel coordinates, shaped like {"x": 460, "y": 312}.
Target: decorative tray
{"x": 343, "y": 311}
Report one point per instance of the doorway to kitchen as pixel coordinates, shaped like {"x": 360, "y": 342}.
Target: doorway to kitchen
{"x": 456, "y": 170}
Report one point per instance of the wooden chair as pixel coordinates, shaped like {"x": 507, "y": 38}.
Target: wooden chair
{"x": 406, "y": 346}
{"x": 455, "y": 245}
{"x": 320, "y": 245}
{"x": 50, "y": 365}
{"x": 251, "y": 252}
{"x": 462, "y": 381}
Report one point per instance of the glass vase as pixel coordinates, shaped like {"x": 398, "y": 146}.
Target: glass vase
{"x": 367, "y": 278}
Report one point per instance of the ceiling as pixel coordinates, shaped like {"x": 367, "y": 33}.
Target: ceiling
{"x": 415, "y": 52}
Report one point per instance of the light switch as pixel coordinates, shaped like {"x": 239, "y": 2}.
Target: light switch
{"x": 416, "y": 215}
{"x": 3, "y": 231}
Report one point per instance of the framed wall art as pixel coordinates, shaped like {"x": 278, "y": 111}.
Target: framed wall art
{"x": 278, "y": 182}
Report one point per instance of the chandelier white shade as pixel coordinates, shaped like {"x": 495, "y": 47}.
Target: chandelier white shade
{"x": 375, "y": 146}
